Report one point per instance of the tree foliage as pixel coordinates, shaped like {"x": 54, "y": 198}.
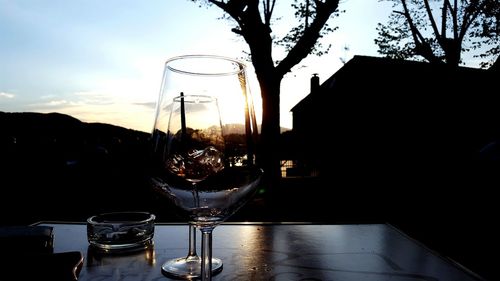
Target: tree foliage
{"x": 255, "y": 17}
{"x": 441, "y": 31}
{"x": 305, "y": 14}
{"x": 253, "y": 21}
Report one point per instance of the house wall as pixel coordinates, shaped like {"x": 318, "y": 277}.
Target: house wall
{"x": 386, "y": 135}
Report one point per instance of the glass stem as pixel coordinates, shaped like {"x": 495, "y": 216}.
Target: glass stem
{"x": 206, "y": 253}
{"x": 192, "y": 242}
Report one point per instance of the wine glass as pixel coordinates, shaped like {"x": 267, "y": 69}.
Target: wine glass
{"x": 188, "y": 267}
{"x": 205, "y": 142}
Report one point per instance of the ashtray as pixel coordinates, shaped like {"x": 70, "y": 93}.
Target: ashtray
{"x": 119, "y": 231}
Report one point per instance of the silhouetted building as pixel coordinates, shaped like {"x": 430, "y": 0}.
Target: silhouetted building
{"x": 410, "y": 143}
{"x": 375, "y": 115}
{"x": 394, "y": 136}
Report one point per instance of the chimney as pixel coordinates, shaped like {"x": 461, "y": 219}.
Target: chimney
{"x": 314, "y": 83}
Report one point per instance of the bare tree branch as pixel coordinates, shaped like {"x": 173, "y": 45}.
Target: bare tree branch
{"x": 470, "y": 16}
{"x": 432, "y": 20}
{"x": 312, "y": 33}
{"x": 473, "y": 20}
{"x": 422, "y": 47}
{"x": 444, "y": 18}
{"x": 268, "y": 10}
{"x": 453, "y": 12}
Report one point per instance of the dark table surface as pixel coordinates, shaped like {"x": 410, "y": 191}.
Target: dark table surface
{"x": 274, "y": 252}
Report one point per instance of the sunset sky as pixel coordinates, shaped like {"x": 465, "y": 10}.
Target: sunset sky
{"x": 102, "y": 61}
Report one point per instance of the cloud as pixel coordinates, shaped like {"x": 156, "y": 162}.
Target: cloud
{"x": 151, "y": 105}
{"x": 55, "y": 104}
{"x": 6, "y": 95}
{"x": 97, "y": 106}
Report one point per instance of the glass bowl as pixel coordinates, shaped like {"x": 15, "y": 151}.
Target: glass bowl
{"x": 120, "y": 231}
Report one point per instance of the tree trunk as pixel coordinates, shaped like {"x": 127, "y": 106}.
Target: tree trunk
{"x": 452, "y": 50}
{"x": 270, "y": 131}
{"x": 257, "y": 34}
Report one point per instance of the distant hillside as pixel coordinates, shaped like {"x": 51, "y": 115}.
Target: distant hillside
{"x": 22, "y": 123}
{"x": 54, "y": 166}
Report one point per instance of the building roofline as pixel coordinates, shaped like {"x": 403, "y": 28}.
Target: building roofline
{"x": 369, "y": 60}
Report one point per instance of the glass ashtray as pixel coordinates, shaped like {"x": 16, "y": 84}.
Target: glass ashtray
{"x": 121, "y": 231}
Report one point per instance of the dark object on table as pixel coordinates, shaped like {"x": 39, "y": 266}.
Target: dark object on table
{"x": 32, "y": 239}
{"x": 26, "y": 254}
{"x": 30, "y": 266}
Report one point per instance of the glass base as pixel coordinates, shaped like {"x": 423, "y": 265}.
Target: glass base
{"x": 188, "y": 268}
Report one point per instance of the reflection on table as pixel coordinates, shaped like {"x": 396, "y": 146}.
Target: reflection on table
{"x": 275, "y": 252}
